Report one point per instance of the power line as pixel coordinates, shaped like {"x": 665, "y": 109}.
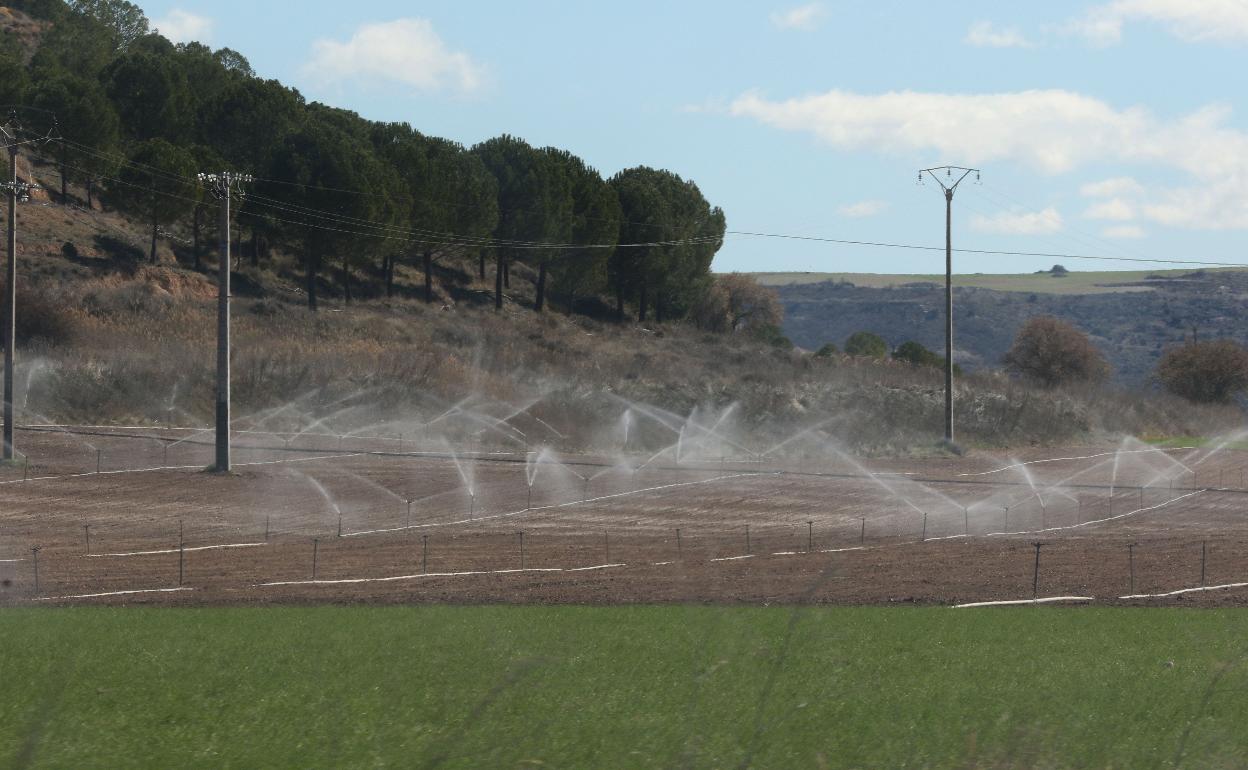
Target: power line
{"x": 471, "y": 241}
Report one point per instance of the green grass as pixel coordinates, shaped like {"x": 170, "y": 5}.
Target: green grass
{"x": 639, "y": 687}
{"x": 1075, "y": 282}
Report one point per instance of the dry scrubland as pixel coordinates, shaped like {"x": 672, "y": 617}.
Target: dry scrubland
{"x": 108, "y": 338}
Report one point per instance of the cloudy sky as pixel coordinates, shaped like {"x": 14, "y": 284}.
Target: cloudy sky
{"x": 1102, "y": 128}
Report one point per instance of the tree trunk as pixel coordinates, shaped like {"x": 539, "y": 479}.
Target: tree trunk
{"x": 619, "y": 302}
{"x": 312, "y": 259}
{"x": 481, "y": 263}
{"x": 346, "y": 279}
{"x": 428, "y": 257}
{"x": 90, "y": 193}
{"x": 658, "y": 307}
{"x": 506, "y": 274}
{"x": 152, "y": 257}
{"x": 388, "y": 269}
{"x": 499, "y": 261}
{"x": 643, "y": 300}
{"x": 195, "y": 254}
{"x": 540, "y": 302}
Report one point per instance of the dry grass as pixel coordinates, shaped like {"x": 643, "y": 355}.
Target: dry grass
{"x": 125, "y": 342}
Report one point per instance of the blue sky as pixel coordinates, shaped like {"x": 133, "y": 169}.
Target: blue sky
{"x": 1108, "y": 128}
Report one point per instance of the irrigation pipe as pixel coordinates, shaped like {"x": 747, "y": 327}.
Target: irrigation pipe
{"x": 173, "y": 550}
{"x": 420, "y": 576}
{"x": 112, "y": 593}
{"x": 1012, "y": 466}
{"x": 1185, "y": 591}
{"x": 1014, "y": 602}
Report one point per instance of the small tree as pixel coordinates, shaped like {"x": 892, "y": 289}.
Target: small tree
{"x": 158, "y": 184}
{"x": 913, "y": 353}
{"x": 866, "y": 344}
{"x": 1053, "y": 352}
{"x": 827, "y": 351}
{"x": 1205, "y": 372}
{"x": 750, "y": 304}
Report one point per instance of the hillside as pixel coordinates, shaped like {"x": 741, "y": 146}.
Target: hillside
{"x": 1132, "y": 316}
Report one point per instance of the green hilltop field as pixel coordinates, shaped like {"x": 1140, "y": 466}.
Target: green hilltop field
{"x": 1074, "y": 282}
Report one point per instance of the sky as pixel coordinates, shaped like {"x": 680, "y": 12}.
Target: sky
{"x": 1105, "y": 128}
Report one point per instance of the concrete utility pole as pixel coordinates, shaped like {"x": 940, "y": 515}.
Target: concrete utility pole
{"x": 224, "y": 187}
{"x": 949, "y": 185}
{"x": 17, "y": 191}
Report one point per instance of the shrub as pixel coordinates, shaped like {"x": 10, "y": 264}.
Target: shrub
{"x": 1052, "y": 352}
{"x": 735, "y": 302}
{"x": 771, "y": 335}
{"x": 866, "y": 344}
{"x": 1205, "y": 372}
{"x": 914, "y": 353}
{"x": 827, "y": 351}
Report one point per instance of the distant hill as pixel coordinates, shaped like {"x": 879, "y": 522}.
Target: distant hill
{"x": 1132, "y": 316}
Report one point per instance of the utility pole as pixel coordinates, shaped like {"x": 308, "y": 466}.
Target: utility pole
{"x": 224, "y": 186}
{"x": 17, "y": 191}
{"x": 949, "y": 185}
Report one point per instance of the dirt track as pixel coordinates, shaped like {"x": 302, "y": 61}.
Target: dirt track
{"x": 820, "y": 531}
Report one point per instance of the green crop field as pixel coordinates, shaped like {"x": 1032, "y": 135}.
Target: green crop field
{"x": 660, "y": 687}
{"x": 1075, "y": 282}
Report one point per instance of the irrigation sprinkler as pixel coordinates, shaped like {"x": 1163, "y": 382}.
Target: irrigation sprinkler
{"x": 1204, "y": 549}
{"x": 1141, "y": 497}
{"x": 86, "y": 531}
{"x": 747, "y": 539}
{"x": 340, "y": 525}
{"x": 472, "y": 504}
{"x": 1221, "y": 475}
{"x": 424, "y": 553}
{"x": 585, "y": 490}
{"x": 266, "y": 527}
{"x": 521, "y": 534}
{"x": 1005, "y": 525}
{"x": 25, "y": 467}
{"x": 400, "y": 443}
{"x": 164, "y": 462}
{"x": 679, "y": 553}
{"x": 97, "y": 462}
{"x": 316, "y": 546}
{"x": 1035, "y": 575}
{"x": 862, "y": 536}
{"x": 606, "y": 547}
{"x": 966, "y": 520}
{"x": 340, "y": 442}
{"x": 1079, "y": 513}
{"x": 923, "y": 537}
{"x": 528, "y": 501}
{"x": 409, "y": 513}
{"x": 1131, "y": 565}
{"x": 181, "y": 561}
{"x": 34, "y": 554}
{"x": 810, "y": 536}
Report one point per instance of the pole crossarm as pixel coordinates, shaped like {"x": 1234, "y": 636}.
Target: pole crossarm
{"x": 948, "y": 184}
{"x": 226, "y": 184}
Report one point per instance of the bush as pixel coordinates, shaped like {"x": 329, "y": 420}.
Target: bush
{"x": 827, "y": 351}
{"x": 866, "y": 344}
{"x": 1205, "y": 372}
{"x": 914, "y": 353}
{"x": 771, "y": 334}
{"x": 1052, "y": 352}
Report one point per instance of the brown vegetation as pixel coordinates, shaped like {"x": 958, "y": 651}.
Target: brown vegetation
{"x": 1053, "y": 352}
{"x": 1205, "y": 372}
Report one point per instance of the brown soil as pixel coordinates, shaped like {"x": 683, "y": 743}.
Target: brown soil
{"x": 798, "y": 518}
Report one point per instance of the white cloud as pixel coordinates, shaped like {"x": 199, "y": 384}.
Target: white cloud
{"x": 407, "y": 51}
{"x": 184, "y": 27}
{"x": 1112, "y": 188}
{"x": 1114, "y": 209}
{"x": 1053, "y": 131}
{"x": 1019, "y": 222}
{"x": 1189, "y": 20}
{"x": 806, "y": 17}
{"x": 984, "y": 34}
{"x": 863, "y": 209}
{"x": 1123, "y": 232}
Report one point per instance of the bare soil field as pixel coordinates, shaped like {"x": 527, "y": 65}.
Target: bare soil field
{"x": 129, "y": 516}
